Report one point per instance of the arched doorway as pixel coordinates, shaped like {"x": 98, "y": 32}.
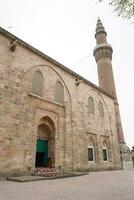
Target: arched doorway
{"x": 45, "y": 145}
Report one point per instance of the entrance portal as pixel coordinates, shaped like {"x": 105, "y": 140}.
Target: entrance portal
{"x": 41, "y": 153}
{"x": 45, "y": 145}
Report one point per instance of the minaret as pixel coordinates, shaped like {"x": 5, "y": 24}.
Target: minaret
{"x": 103, "y": 56}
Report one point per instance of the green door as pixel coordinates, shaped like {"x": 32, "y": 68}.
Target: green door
{"x": 41, "y": 153}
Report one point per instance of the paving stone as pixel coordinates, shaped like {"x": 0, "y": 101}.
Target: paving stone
{"x": 110, "y": 185}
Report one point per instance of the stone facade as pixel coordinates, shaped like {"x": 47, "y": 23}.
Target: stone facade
{"x": 68, "y": 126}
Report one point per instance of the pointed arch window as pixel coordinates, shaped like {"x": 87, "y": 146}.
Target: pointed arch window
{"x": 91, "y": 105}
{"x": 101, "y": 110}
{"x": 37, "y": 83}
{"x": 105, "y": 151}
{"x": 91, "y": 151}
{"x": 59, "y": 93}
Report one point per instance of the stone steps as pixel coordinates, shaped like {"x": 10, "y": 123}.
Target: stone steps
{"x": 48, "y": 172}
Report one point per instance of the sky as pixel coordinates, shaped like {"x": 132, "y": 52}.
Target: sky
{"x": 64, "y": 30}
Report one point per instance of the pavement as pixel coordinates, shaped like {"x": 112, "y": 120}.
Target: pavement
{"x": 109, "y": 185}
{"x": 45, "y": 176}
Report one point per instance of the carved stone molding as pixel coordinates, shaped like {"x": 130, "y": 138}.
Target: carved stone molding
{"x": 103, "y": 51}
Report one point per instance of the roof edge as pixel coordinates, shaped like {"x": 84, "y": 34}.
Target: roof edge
{"x": 38, "y": 52}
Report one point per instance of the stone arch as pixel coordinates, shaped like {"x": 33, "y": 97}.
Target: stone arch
{"x": 67, "y": 104}
{"x": 91, "y": 150}
{"x": 45, "y": 146}
{"x": 104, "y": 102}
{"x": 91, "y": 141}
{"x": 105, "y": 151}
{"x": 47, "y": 120}
{"x": 111, "y": 149}
{"x": 105, "y": 143}
{"x": 101, "y": 109}
{"x": 37, "y": 83}
{"x": 43, "y": 65}
{"x": 91, "y": 105}
{"x": 59, "y": 92}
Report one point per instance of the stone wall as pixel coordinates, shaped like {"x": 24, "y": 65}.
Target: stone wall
{"x": 21, "y": 112}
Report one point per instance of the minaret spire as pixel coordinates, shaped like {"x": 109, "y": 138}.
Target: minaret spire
{"x": 99, "y": 26}
{"x": 100, "y": 31}
{"x": 103, "y": 56}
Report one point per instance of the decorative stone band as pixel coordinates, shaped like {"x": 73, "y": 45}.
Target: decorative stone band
{"x": 103, "y": 51}
{"x": 100, "y": 31}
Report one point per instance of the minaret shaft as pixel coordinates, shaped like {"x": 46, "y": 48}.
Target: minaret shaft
{"x": 103, "y": 56}
{"x": 105, "y": 74}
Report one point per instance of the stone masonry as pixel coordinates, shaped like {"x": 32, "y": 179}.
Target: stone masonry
{"x": 69, "y": 127}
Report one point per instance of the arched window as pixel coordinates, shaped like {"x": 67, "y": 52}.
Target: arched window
{"x": 37, "y": 83}
{"x": 91, "y": 105}
{"x": 91, "y": 150}
{"x": 105, "y": 151}
{"x": 59, "y": 94}
{"x": 101, "y": 110}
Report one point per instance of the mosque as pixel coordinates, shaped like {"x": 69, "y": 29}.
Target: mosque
{"x": 51, "y": 116}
